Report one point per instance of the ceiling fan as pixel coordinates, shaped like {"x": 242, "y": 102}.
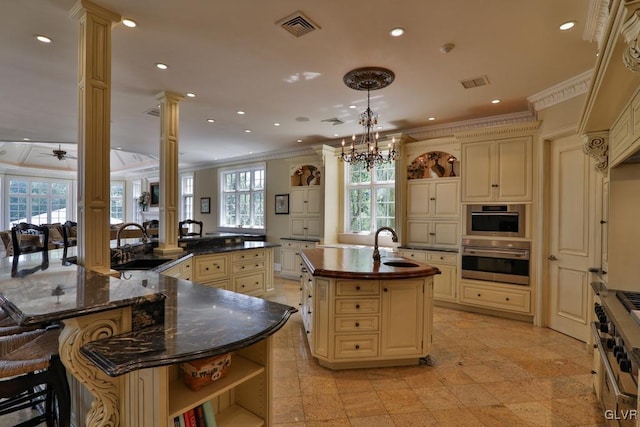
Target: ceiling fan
{"x": 60, "y": 154}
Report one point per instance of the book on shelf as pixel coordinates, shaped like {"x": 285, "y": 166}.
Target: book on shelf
{"x": 199, "y": 411}
{"x": 209, "y": 416}
{"x": 190, "y": 418}
{"x": 176, "y": 422}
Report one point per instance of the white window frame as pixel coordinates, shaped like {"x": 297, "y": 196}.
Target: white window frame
{"x": 187, "y": 183}
{"x": 374, "y": 187}
{"x": 253, "y": 192}
{"x": 29, "y": 197}
{"x": 122, "y": 199}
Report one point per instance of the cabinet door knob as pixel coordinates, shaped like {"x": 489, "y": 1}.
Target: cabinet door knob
{"x": 602, "y": 221}
{"x": 432, "y": 198}
{"x": 386, "y": 290}
{"x": 479, "y": 295}
{"x": 357, "y": 346}
{"x": 494, "y": 185}
{"x": 432, "y": 234}
{"x": 507, "y": 299}
{"x": 357, "y": 324}
{"x": 357, "y": 306}
{"x": 357, "y": 288}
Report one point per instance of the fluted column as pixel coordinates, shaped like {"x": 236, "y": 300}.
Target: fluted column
{"x": 94, "y": 108}
{"x": 169, "y": 179}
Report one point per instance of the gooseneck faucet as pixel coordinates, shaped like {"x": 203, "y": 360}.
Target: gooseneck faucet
{"x": 376, "y": 252}
{"x": 145, "y": 237}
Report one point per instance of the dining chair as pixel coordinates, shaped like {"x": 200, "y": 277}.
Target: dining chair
{"x": 29, "y": 238}
{"x": 151, "y": 227}
{"x": 33, "y": 376}
{"x": 70, "y": 233}
{"x": 190, "y": 227}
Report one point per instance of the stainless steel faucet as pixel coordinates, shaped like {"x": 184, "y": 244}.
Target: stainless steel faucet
{"x": 145, "y": 237}
{"x": 376, "y": 252}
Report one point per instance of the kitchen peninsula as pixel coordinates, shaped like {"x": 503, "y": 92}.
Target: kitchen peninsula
{"x": 123, "y": 339}
{"x": 359, "y": 313}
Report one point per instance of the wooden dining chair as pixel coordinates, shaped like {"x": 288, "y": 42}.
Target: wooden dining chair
{"x": 190, "y": 227}
{"x": 70, "y": 233}
{"x": 29, "y": 238}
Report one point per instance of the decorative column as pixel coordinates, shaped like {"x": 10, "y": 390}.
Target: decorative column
{"x": 596, "y": 145}
{"x": 169, "y": 180}
{"x": 94, "y": 120}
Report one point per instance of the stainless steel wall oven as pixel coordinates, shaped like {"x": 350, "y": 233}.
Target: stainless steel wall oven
{"x": 496, "y": 220}
{"x": 496, "y": 260}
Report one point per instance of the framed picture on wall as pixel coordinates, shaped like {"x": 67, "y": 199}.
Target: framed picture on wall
{"x": 205, "y": 205}
{"x": 154, "y": 189}
{"x": 282, "y": 204}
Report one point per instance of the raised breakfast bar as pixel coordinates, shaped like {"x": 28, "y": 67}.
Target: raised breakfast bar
{"x": 359, "y": 313}
{"x": 123, "y": 340}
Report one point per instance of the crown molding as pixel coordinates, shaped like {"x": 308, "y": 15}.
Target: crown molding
{"x": 597, "y": 17}
{"x": 497, "y": 131}
{"x": 562, "y": 91}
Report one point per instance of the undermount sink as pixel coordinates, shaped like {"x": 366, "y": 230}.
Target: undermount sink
{"x": 400, "y": 263}
{"x": 140, "y": 264}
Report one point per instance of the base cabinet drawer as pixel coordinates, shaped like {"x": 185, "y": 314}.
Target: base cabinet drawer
{"x": 354, "y": 287}
{"x": 442, "y": 258}
{"x": 211, "y": 267}
{"x": 356, "y": 324}
{"x": 358, "y": 306}
{"x": 488, "y": 296}
{"x": 247, "y": 255}
{"x": 356, "y": 346}
{"x": 246, "y": 267}
{"x": 249, "y": 283}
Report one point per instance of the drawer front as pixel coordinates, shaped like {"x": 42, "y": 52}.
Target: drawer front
{"x": 356, "y": 324}
{"x": 442, "y": 257}
{"x": 306, "y": 245}
{"x": 354, "y": 287}
{"x": 210, "y": 267}
{"x": 289, "y": 244}
{"x": 356, "y": 346}
{"x": 249, "y": 283}
{"x": 247, "y": 255}
{"x": 247, "y": 267}
{"x": 513, "y": 300}
{"x": 417, "y": 255}
{"x": 357, "y": 306}
{"x": 220, "y": 284}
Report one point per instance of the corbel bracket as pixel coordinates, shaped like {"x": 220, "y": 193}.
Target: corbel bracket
{"x": 596, "y": 145}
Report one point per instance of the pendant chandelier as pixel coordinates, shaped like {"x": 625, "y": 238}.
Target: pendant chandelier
{"x": 367, "y": 151}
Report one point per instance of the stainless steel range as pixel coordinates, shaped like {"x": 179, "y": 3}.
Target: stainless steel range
{"x": 617, "y": 354}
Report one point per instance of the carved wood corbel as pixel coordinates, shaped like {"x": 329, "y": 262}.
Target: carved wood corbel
{"x": 596, "y": 145}
{"x": 631, "y": 33}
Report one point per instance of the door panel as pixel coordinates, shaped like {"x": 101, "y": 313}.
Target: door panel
{"x": 571, "y": 236}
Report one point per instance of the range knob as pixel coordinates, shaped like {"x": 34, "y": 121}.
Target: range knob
{"x": 610, "y": 343}
{"x": 621, "y": 356}
{"x": 604, "y": 326}
{"x": 625, "y": 365}
{"x": 618, "y": 349}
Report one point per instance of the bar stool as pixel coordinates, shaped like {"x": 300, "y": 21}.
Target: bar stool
{"x": 183, "y": 228}
{"x": 32, "y": 376}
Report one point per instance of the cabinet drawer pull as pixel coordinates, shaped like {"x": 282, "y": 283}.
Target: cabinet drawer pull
{"x": 479, "y": 295}
{"x": 432, "y": 234}
{"x": 494, "y": 185}
{"x": 357, "y": 288}
{"x": 507, "y": 298}
{"x": 357, "y": 324}
{"x": 309, "y": 296}
{"x": 358, "y": 306}
{"x": 432, "y": 198}
{"x": 309, "y": 312}
{"x": 357, "y": 346}
{"x": 386, "y": 290}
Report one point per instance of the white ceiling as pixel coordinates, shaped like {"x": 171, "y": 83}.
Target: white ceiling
{"x": 233, "y": 56}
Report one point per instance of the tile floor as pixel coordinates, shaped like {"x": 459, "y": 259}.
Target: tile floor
{"x": 486, "y": 371}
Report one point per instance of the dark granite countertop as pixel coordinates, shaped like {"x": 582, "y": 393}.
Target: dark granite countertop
{"x": 198, "y": 321}
{"x": 357, "y": 263}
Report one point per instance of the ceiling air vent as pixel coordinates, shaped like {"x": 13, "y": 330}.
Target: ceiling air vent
{"x": 298, "y": 24}
{"x": 475, "y": 82}
{"x": 155, "y": 112}
{"x": 334, "y": 121}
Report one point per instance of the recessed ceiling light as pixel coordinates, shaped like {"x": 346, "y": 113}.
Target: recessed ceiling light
{"x": 495, "y": 101}
{"x": 43, "y": 39}
{"x": 353, "y": 107}
{"x": 247, "y": 130}
{"x": 567, "y": 25}
{"x": 211, "y": 120}
{"x": 396, "y": 32}
{"x": 161, "y": 66}
{"x": 26, "y": 139}
{"x": 241, "y": 112}
{"x": 335, "y": 134}
{"x": 276, "y": 124}
{"x": 129, "y": 23}
{"x": 431, "y": 119}
{"x": 299, "y": 140}
{"x": 191, "y": 94}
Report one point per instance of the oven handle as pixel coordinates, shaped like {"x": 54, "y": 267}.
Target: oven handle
{"x": 498, "y": 213}
{"x": 496, "y": 253}
{"x": 621, "y": 398}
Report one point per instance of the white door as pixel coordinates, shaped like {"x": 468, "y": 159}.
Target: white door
{"x": 571, "y": 249}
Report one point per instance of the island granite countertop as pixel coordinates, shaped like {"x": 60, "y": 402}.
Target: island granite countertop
{"x": 197, "y": 319}
{"x": 357, "y": 263}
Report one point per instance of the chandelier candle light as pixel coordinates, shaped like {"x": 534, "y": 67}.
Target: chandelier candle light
{"x": 368, "y": 78}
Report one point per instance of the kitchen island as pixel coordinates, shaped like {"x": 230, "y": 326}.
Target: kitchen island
{"x": 123, "y": 340}
{"x": 358, "y": 313}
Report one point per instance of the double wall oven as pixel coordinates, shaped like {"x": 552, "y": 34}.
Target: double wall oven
{"x": 501, "y": 261}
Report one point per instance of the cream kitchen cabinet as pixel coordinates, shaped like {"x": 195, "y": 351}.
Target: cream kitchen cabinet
{"x": 496, "y": 296}
{"x": 433, "y": 197}
{"x": 305, "y": 200}
{"x": 433, "y": 232}
{"x": 290, "y": 264}
{"x": 182, "y": 270}
{"x": 444, "y": 284}
{"x": 357, "y": 323}
{"x": 497, "y": 170}
{"x": 305, "y": 227}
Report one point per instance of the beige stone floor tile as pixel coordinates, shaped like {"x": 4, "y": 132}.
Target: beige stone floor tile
{"x": 575, "y": 411}
{"x": 343, "y": 422}
{"x": 497, "y": 415}
{"x": 362, "y": 404}
{"x": 286, "y": 386}
{"x": 483, "y": 373}
{"x": 452, "y": 376}
{"x": 313, "y": 385}
{"x": 509, "y": 392}
{"x": 348, "y": 385}
{"x": 472, "y": 395}
{"x": 426, "y": 378}
{"x": 434, "y": 398}
{"x": 401, "y": 401}
{"x": 389, "y": 384}
{"x": 288, "y": 410}
{"x": 414, "y": 419}
{"x": 283, "y": 369}
{"x": 323, "y": 407}
{"x": 284, "y": 355}
{"x": 372, "y": 421}
{"x": 536, "y": 414}
{"x": 458, "y": 417}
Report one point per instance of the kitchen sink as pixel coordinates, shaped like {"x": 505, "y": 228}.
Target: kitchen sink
{"x": 140, "y": 264}
{"x": 400, "y": 263}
